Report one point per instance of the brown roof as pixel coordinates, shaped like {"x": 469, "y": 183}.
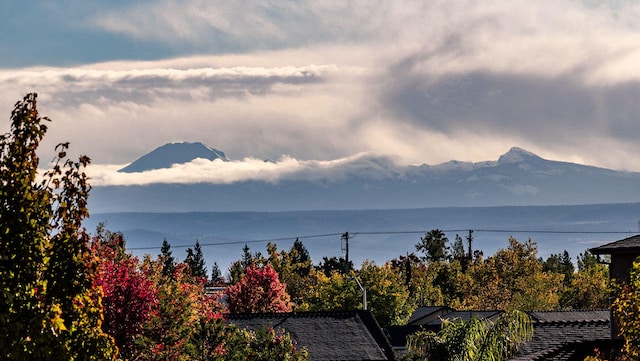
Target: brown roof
{"x": 627, "y": 245}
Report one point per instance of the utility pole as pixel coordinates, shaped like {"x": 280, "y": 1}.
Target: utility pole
{"x": 345, "y": 248}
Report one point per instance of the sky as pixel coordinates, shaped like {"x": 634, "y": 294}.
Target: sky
{"x": 323, "y": 82}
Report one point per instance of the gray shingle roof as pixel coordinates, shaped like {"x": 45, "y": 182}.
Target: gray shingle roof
{"x": 627, "y": 245}
{"x": 425, "y": 314}
{"x": 566, "y": 335}
{"x": 558, "y": 335}
{"x": 336, "y": 336}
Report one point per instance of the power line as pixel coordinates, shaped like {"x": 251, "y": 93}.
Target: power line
{"x": 494, "y": 231}
{"x": 385, "y": 233}
{"x": 243, "y": 242}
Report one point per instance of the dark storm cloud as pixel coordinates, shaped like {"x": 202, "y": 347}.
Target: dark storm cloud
{"x": 547, "y": 108}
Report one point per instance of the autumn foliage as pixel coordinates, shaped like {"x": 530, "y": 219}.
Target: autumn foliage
{"x": 129, "y": 296}
{"x": 259, "y": 290}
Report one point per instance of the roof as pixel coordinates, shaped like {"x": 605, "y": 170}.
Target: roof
{"x": 336, "y": 336}
{"x": 627, "y": 245}
{"x": 467, "y": 315}
{"x": 426, "y": 314}
{"x": 557, "y": 335}
{"x": 566, "y": 335}
{"x": 571, "y": 316}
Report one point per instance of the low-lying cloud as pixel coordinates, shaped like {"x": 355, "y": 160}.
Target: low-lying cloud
{"x": 226, "y": 172}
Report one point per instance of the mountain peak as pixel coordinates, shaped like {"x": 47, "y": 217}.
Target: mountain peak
{"x": 516, "y": 155}
{"x": 173, "y": 153}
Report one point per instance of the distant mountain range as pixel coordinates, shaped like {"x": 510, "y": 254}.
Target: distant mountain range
{"x": 518, "y": 177}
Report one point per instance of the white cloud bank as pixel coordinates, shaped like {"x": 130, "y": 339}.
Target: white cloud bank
{"x": 227, "y": 172}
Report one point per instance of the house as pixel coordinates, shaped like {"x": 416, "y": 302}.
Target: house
{"x": 337, "y": 336}
{"x": 623, "y": 253}
{"x": 557, "y": 335}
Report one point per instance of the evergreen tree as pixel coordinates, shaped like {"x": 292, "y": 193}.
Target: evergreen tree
{"x": 247, "y": 257}
{"x": 300, "y": 258}
{"x": 560, "y": 263}
{"x": 216, "y": 274}
{"x": 458, "y": 252}
{"x": 586, "y": 260}
{"x": 169, "y": 262}
{"x": 195, "y": 261}
{"x": 334, "y": 264}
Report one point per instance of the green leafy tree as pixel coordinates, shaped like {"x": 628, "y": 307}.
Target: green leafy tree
{"x": 589, "y": 287}
{"x": 387, "y": 296}
{"x": 473, "y": 340}
{"x": 334, "y": 264}
{"x": 48, "y": 308}
{"x": 510, "y": 279}
{"x": 560, "y": 263}
{"x": 336, "y": 292}
{"x": 434, "y": 246}
{"x": 293, "y": 268}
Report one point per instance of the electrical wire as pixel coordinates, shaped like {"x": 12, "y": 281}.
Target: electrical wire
{"x": 383, "y": 233}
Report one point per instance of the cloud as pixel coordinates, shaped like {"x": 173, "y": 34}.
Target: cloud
{"x": 226, "y": 172}
{"x": 422, "y": 82}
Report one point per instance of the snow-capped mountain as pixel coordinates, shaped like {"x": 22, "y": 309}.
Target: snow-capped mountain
{"x": 518, "y": 177}
{"x": 173, "y": 153}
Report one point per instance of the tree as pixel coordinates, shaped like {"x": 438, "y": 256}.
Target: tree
{"x": 457, "y": 252}
{"x": 258, "y": 291}
{"x": 300, "y": 258}
{"x": 184, "y": 321}
{"x": 195, "y": 261}
{"x": 626, "y": 310}
{"x": 473, "y": 340}
{"x": 587, "y": 260}
{"x": 216, "y": 275}
{"x": 434, "y": 246}
{"x": 293, "y": 268}
{"x": 510, "y": 279}
{"x": 336, "y": 292}
{"x": 129, "y": 296}
{"x": 589, "y": 287}
{"x": 387, "y": 295}
{"x": 334, "y": 264}
{"x": 48, "y": 308}
{"x": 560, "y": 263}
{"x": 169, "y": 262}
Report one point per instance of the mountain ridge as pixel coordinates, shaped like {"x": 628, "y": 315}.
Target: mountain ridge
{"x": 518, "y": 177}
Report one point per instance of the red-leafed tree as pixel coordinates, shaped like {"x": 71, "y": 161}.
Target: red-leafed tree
{"x": 129, "y": 295}
{"x": 260, "y": 290}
